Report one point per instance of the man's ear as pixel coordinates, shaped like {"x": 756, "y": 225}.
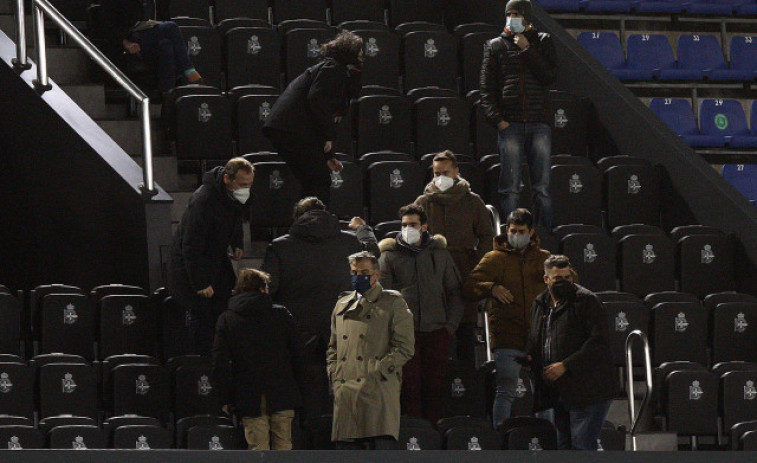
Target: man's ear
{"x": 531, "y": 233}
{"x": 546, "y": 279}
{"x": 424, "y": 227}
{"x": 226, "y": 179}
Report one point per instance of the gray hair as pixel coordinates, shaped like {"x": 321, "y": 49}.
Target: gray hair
{"x": 364, "y": 255}
{"x": 556, "y": 261}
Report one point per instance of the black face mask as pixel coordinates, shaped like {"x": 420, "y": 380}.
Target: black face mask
{"x": 562, "y": 289}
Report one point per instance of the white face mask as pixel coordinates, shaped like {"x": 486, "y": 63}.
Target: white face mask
{"x": 515, "y": 25}
{"x": 443, "y": 182}
{"x": 241, "y": 195}
{"x": 411, "y": 235}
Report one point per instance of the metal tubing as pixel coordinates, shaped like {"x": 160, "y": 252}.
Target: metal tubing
{"x": 635, "y": 418}
{"x": 39, "y": 40}
{"x": 21, "y": 55}
{"x": 147, "y": 173}
{"x": 496, "y": 225}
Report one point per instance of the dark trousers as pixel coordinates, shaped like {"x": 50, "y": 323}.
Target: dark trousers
{"x": 424, "y": 377}
{"x": 307, "y": 163}
{"x": 164, "y": 49}
{"x": 579, "y": 428}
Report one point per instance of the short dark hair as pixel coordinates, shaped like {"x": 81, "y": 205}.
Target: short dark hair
{"x": 520, "y": 216}
{"x": 345, "y": 48}
{"x": 235, "y": 165}
{"x": 414, "y": 209}
{"x": 305, "y": 205}
{"x": 556, "y": 261}
{"x": 250, "y": 280}
{"x": 364, "y": 255}
{"x": 446, "y": 155}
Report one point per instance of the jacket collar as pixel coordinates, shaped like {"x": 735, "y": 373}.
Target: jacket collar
{"x": 371, "y": 296}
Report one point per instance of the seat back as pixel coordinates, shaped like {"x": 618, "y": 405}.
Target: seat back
{"x": 17, "y": 437}
{"x": 141, "y": 389}
{"x": 722, "y": 117}
{"x": 383, "y": 123}
{"x": 347, "y": 191}
{"x": 10, "y": 324}
{"x": 430, "y": 59}
{"x": 68, "y": 325}
{"x": 141, "y": 437}
{"x": 738, "y": 391}
{"x": 228, "y": 9}
{"x": 252, "y": 56}
{"x": 576, "y": 195}
{"x": 676, "y": 113}
{"x": 471, "y": 438}
{"x": 679, "y": 332}
{"x": 128, "y": 325}
{"x": 706, "y": 264}
{"x": 302, "y": 48}
{"x": 77, "y": 437}
{"x": 214, "y": 437}
{"x": 352, "y": 10}
{"x": 592, "y": 255}
{"x": 381, "y": 50}
{"x": 465, "y": 394}
{"x": 251, "y": 114}
{"x": 690, "y": 402}
{"x": 743, "y": 177}
{"x": 441, "y": 123}
{"x": 632, "y": 195}
{"x": 527, "y": 433}
{"x": 713, "y": 300}
{"x": 653, "y": 299}
{"x": 194, "y": 392}
{"x": 183, "y": 425}
{"x": 605, "y": 47}
{"x": 734, "y": 332}
{"x": 700, "y": 52}
{"x": 68, "y": 389}
{"x": 405, "y": 11}
{"x": 623, "y": 318}
{"x": 391, "y": 185}
{"x": 647, "y": 264}
{"x": 649, "y": 51}
{"x": 204, "y": 47}
{"x": 16, "y": 390}
{"x": 203, "y": 127}
{"x": 472, "y": 53}
{"x": 273, "y": 195}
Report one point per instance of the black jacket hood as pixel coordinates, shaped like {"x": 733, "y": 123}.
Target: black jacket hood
{"x": 315, "y": 226}
{"x": 250, "y": 304}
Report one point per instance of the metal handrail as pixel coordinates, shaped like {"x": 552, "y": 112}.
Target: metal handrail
{"x": 635, "y": 418}
{"x": 496, "y": 225}
{"x": 40, "y": 8}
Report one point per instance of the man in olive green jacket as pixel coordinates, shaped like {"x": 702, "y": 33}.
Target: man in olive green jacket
{"x": 372, "y": 337}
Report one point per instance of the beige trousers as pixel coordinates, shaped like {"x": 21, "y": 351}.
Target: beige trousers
{"x": 269, "y": 432}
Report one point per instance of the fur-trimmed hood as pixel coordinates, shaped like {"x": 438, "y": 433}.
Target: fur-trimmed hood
{"x": 390, "y": 244}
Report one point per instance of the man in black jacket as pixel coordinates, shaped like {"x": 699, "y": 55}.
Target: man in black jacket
{"x": 517, "y": 68}
{"x": 569, "y": 354}
{"x": 258, "y": 363}
{"x": 200, "y": 275}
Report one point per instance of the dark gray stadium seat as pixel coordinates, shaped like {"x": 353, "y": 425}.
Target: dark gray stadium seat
{"x": 567, "y": 115}
{"x": 193, "y": 390}
{"x": 21, "y": 438}
{"x": 646, "y": 264}
{"x": 114, "y": 289}
{"x": 632, "y": 195}
{"x": 576, "y": 195}
{"x": 621, "y": 231}
{"x": 527, "y": 433}
{"x": 734, "y": 332}
{"x": 383, "y": 123}
{"x": 199, "y": 9}
{"x": 430, "y": 59}
{"x": 274, "y": 193}
{"x": 592, "y": 256}
{"x": 685, "y": 230}
{"x": 183, "y": 426}
{"x": 465, "y": 394}
{"x": 391, "y": 185}
{"x": 68, "y": 389}
{"x": 705, "y": 264}
{"x": 441, "y": 123}
{"x": 10, "y": 324}
{"x": 141, "y": 437}
{"x": 77, "y": 437}
{"x": 168, "y": 108}
{"x": 141, "y": 389}
{"x": 738, "y": 391}
{"x": 347, "y": 191}
{"x": 653, "y": 299}
{"x": 252, "y": 56}
{"x": 214, "y": 437}
{"x": 251, "y": 113}
{"x": 690, "y": 402}
{"x": 472, "y": 54}
{"x": 738, "y": 430}
{"x": 679, "y": 332}
{"x": 203, "y": 127}
{"x": 128, "y": 325}
{"x": 713, "y": 300}
{"x": 16, "y": 390}
{"x": 623, "y": 318}
{"x": 68, "y": 325}
{"x": 382, "y": 57}
{"x": 302, "y": 49}
{"x": 204, "y": 47}
{"x": 471, "y": 438}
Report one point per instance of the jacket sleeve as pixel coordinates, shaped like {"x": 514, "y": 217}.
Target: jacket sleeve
{"x": 271, "y": 266}
{"x": 237, "y": 241}
{"x": 452, "y": 287}
{"x": 367, "y": 240}
{"x": 221, "y": 371}
{"x": 331, "y": 351}
{"x": 197, "y": 229}
{"x": 325, "y": 99}
{"x": 484, "y": 230}
{"x": 542, "y": 60}
{"x": 596, "y": 345}
{"x": 483, "y": 278}
{"x": 402, "y": 341}
{"x": 387, "y": 272}
{"x": 489, "y": 86}
{"x": 296, "y": 350}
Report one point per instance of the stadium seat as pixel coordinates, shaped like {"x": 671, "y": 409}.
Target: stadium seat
{"x": 9, "y": 420}
{"x": 743, "y": 56}
{"x": 677, "y": 114}
{"x": 441, "y": 123}
{"x": 576, "y": 195}
{"x": 561, "y": 231}
{"x": 303, "y": 49}
{"x": 203, "y": 127}
{"x": 174, "y": 328}
{"x": 611, "y": 439}
{"x": 632, "y": 195}
{"x": 193, "y": 390}
{"x": 77, "y": 437}
{"x": 648, "y": 55}
{"x": 647, "y": 264}
{"x": 705, "y": 264}
{"x": 168, "y": 108}
{"x": 568, "y": 117}
{"x": 114, "y": 422}
{"x": 387, "y": 229}
{"x": 199, "y": 9}
{"x": 744, "y": 7}
{"x": 128, "y": 325}
{"x": 747, "y": 140}
{"x": 679, "y": 332}
{"x": 273, "y": 195}
{"x": 725, "y": 119}
{"x": 652, "y": 299}
{"x": 17, "y": 390}
{"x": 204, "y": 47}
{"x": 703, "y": 53}
{"x": 523, "y": 405}
{"x": 413, "y": 438}
{"x": 722, "y": 368}
{"x": 383, "y": 123}
{"x": 68, "y": 389}
{"x": 382, "y": 57}
{"x": 622, "y": 231}
{"x": 10, "y": 324}
{"x": 141, "y": 437}
{"x": 661, "y": 372}
{"x": 734, "y": 332}
{"x": 284, "y": 10}
{"x": 738, "y": 390}
{"x": 606, "y": 48}
{"x": 141, "y": 389}
{"x": 570, "y": 160}
{"x": 347, "y": 191}
{"x": 656, "y": 6}
{"x": 748, "y": 441}
{"x": 707, "y": 7}
{"x": 405, "y": 11}
{"x": 466, "y": 421}
{"x": 743, "y": 177}
{"x": 527, "y": 433}
{"x": 391, "y": 185}
{"x": 21, "y": 438}
{"x": 430, "y": 59}
{"x": 183, "y": 426}
{"x": 114, "y": 289}
{"x": 614, "y": 6}
{"x": 252, "y": 56}
{"x": 713, "y": 300}
{"x": 369, "y": 159}
{"x": 416, "y": 94}
{"x": 291, "y": 24}
{"x": 592, "y": 255}
{"x": 318, "y": 433}
{"x": 67, "y": 325}
{"x": 471, "y": 438}
{"x": 214, "y": 437}
{"x": 229, "y": 9}
{"x": 352, "y": 10}
{"x": 35, "y": 301}
{"x": 471, "y": 51}
{"x": 465, "y": 393}
{"x": 559, "y": 5}
{"x": 623, "y": 318}
{"x": 616, "y": 296}
{"x": 611, "y": 161}
{"x": 685, "y": 230}
{"x": 690, "y": 402}
{"x": 251, "y": 113}
{"x": 738, "y": 430}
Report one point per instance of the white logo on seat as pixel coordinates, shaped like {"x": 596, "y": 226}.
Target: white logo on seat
{"x": 203, "y": 113}
{"x": 575, "y": 185}
{"x": 534, "y": 445}
{"x": 395, "y": 179}
{"x": 385, "y": 116}
{"x": 194, "y": 46}
{"x": 371, "y": 48}
{"x": 264, "y": 111}
{"x": 473, "y": 444}
{"x": 68, "y": 383}
{"x": 708, "y": 256}
{"x": 128, "y": 317}
{"x": 695, "y": 391}
{"x": 253, "y": 45}
{"x": 215, "y": 443}
{"x": 143, "y": 387}
{"x": 749, "y": 391}
{"x": 520, "y": 389}
{"x": 69, "y": 315}
{"x": 590, "y": 255}
{"x": 458, "y": 388}
{"x": 6, "y": 385}
{"x": 203, "y": 386}
{"x": 429, "y": 49}
{"x": 599, "y": 446}
{"x": 142, "y": 443}
{"x": 14, "y": 444}
{"x": 413, "y": 444}
{"x": 442, "y": 117}
{"x": 561, "y": 120}
{"x": 680, "y": 323}
{"x": 78, "y": 443}
{"x": 634, "y": 185}
{"x": 275, "y": 182}
{"x": 739, "y": 323}
{"x": 314, "y": 49}
{"x": 336, "y": 180}
{"x": 621, "y": 322}
{"x": 647, "y": 255}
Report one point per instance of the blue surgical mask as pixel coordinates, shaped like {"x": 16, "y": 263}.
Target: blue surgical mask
{"x": 515, "y": 25}
{"x": 361, "y": 283}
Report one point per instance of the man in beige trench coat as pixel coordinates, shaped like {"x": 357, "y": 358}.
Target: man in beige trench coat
{"x": 372, "y": 337}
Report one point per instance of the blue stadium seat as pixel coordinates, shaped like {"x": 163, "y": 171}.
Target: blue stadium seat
{"x": 559, "y": 5}
{"x": 748, "y": 7}
{"x": 656, "y": 6}
{"x": 743, "y": 177}
{"x": 615, "y": 6}
{"x": 677, "y": 114}
{"x": 697, "y": 56}
{"x": 707, "y": 7}
{"x": 648, "y": 55}
{"x": 606, "y": 48}
{"x": 744, "y": 54}
{"x": 726, "y": 119}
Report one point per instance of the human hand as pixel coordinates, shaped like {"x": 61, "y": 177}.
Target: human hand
{"x": 356, "y": 223}
{"x": 238, "y": 253}
{"x": 502, "y": 294}
{"x": 206, "y": 293}
{"x": 327, "y": 147}
{"x": 226, "y": 409}
{"x": 132, "y": 48}
{"x": 527, "y": 365}
{"x": 502, "y": 125}
{"x": 521, "y": 41}
{"x": 335, "y": 165}
{"x": 554, "y": 371}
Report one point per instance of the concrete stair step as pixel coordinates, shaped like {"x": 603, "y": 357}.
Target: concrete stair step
{"x": 165, "y": 172}
{"x": 128, "y": 135}
{"x": 91, "y": 98}
{"x": 68, "y": 66}
{"x": 180, "y": 201}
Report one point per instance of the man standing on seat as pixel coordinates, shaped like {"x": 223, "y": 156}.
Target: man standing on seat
{"x": 417, "y": 264}
{"x": 461, "y": 216}
{"x": 303, "y": 121}
{"x": 569, "y": 354}
{"x": 510, "y": 276}
{"x": 200, "y": 275}
{"x": 371, "y": 339}
{"x": 517, "y": 68}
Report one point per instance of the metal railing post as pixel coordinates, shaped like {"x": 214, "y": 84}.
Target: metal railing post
{"x": 148, "y": 187}
{"x": 20, "y": 61}
{"x": 41, "y": 83}
{"x": 636, "y": 417}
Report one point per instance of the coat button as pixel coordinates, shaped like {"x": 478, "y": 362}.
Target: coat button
{"x": 359, "y": 380}
{"x": 344, "y": 336}
{"x": 362, "y": 336}
{"x": 344, "y": 359}
{"x": 342, "y": 381}
{"x": 359, "y": 357}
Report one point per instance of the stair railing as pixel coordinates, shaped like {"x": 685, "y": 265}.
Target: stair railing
{"x": 636, "y": 417}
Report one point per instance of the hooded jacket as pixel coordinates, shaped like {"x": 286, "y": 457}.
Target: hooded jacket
{"x": 428, "y": 281}
{"x": 461, "y": 216}
{"x": 514, "y": 82}
{"x": 523, "y": 275}
{"x": 199, "y": 253}
{"x": 257, "y": 351}
{"x": 309, "y": 268}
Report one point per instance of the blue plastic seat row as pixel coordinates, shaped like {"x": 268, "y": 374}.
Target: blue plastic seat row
{"x": 650, "y": 56}
{"x": 721, "y": 122}
{"x": 743, "y": 177}
{"x": 694, "y": 7}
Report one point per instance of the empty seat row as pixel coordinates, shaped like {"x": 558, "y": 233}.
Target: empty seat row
{"x": 650, "y": 56}
{"x": 743, "y": 177}
{"x": 693, "y": 7}
{"x": 722, "y": 122}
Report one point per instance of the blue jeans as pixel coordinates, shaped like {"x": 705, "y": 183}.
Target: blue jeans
{"x": 508, "y": 372}
{"x": 531, "y": 143}
{"x": 579, "y": 428}
{"x": 164, "y": 49}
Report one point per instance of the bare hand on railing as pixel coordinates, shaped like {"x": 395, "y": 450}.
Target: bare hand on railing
{"x": 132, "y": 48}
{"x": 502, "y": 294}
